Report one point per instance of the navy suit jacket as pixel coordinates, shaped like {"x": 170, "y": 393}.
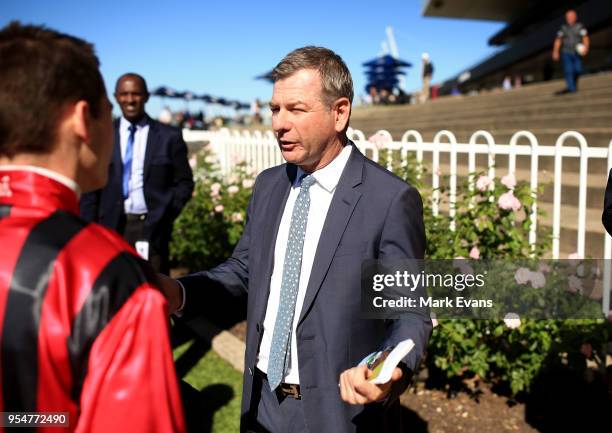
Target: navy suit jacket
{"x": 168, "y": 185}
{"x": 606, "y": 217}
{"x": 373, "y": 215}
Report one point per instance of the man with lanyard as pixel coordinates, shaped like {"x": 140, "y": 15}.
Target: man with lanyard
{"x": 149, "y": 180}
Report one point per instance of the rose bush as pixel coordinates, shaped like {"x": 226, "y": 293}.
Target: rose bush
{"x": 492, "y": 221}
{"x": 212, "y": 222}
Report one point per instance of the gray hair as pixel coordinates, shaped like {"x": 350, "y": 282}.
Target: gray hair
{"x": 336, "y": 78}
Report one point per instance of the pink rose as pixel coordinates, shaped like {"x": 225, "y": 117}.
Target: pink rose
{"x": 521, "y": 276}
{"x": 475, "y": 253}
{"x": 434, "y": 320}
{"x": 512, "y": 320}
{"x": 483, "y": 183}
{"x": 379, "y": 140}
{"x": 248, "y": 183}
{"x": 215, "y": 188}
{"x": 236, "y": 217}
{"x": 219, "y": 208}
{"x": 509, "y": 181}
{"x": 537, "y": 279}
{"x": 508, "y": 201}
{"x": 543, "y": 267}
{"x": 233, "y": 189}
{"x": 237, "y": 159}
{"x": 575, "y": 284}
{"x": 460, "y": 263}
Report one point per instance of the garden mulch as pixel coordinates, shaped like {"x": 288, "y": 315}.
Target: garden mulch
{"x": 432, "y": 411}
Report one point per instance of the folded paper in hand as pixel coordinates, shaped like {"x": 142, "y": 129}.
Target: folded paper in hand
{"x": 383, "y": 362}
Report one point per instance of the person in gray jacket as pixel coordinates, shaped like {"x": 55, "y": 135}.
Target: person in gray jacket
{"x": 310, "y": 224}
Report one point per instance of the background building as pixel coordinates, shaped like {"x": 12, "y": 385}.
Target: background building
{"x": 527, "y": 39}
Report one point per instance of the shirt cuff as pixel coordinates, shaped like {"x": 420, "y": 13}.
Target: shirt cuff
{"x": 179, "y": 312}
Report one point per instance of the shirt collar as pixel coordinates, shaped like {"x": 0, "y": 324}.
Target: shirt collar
{"x": 329, "y": 176}
{"x": 124, "y": 124}
{"x": 66, "y": 181}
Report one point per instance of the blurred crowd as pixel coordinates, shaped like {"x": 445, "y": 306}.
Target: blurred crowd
{"x": 198, "y": 120}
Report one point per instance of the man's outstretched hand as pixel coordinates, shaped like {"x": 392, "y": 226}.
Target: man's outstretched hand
{"x": 355, "y": 388}
{"x": 173, "y": 292}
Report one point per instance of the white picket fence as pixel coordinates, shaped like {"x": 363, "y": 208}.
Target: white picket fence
{"x": 260, "y": 151}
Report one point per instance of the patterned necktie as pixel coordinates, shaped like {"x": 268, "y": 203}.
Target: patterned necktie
{"x": 281, "y": 337}
{"x": 127, "y": 161}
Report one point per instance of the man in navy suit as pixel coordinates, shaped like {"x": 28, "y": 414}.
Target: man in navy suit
{"x": 310, "y": 225}
{"x": 149, "y": 180}
{"x": 606, "y": 217}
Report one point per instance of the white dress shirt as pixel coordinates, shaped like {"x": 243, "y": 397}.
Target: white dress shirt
{"x": 321, "y": 194}
{"x": 135, "y": 202}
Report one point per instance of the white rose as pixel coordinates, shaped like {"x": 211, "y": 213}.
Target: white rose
{"x": 512, "y": 320}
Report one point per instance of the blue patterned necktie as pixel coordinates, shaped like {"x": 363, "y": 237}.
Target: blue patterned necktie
{"x": 127, "y": 161}
{"x": 281, "y": 337}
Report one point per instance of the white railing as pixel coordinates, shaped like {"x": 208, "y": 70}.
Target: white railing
{"x": 196, "y": 136}
{"x": 260, "y": 151}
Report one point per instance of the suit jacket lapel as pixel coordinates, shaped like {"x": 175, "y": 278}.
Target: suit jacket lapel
{"x": 117, "y": 161}
{"x": 151, "y": 140}
{"x": 340, "y": 210}
{"x": 275, "y": 207}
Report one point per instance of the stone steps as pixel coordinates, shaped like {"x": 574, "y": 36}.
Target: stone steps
{"x": 597, "y": 98}
{"x": 531, "y": 107}
{"x": 565, "y": 121}
{"x": 594, "y": 236}
{"x": 596, "y": 137}
{"x": 492, "y": 100}
{"x": 597, "y": 108}
{"x": 569, "y": 191}
{"x": 534, "y": 108}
